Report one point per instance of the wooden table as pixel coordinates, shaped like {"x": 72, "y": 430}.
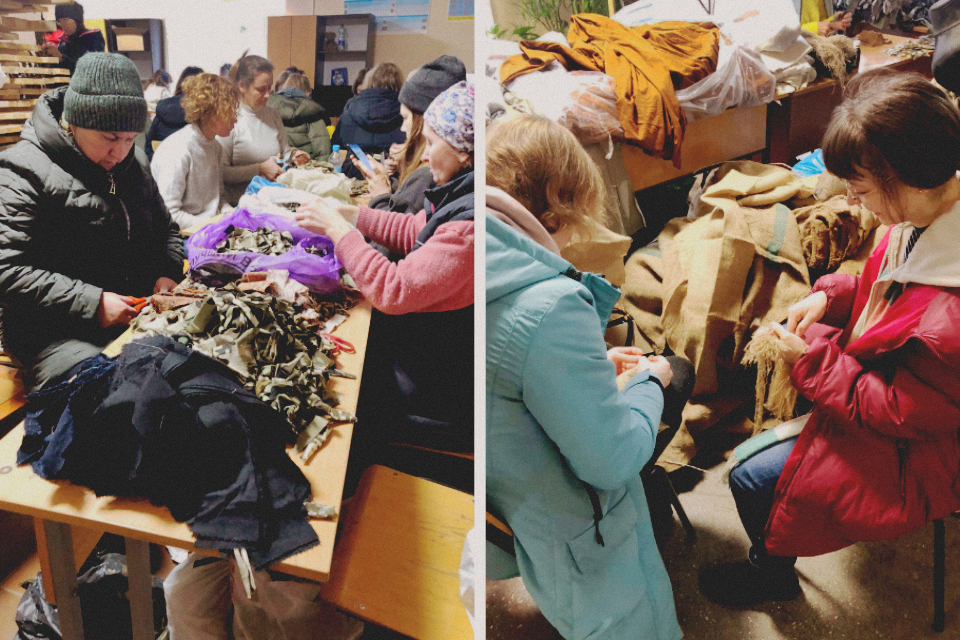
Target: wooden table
{"x": 797, "y": 121}
{"x": 62, "y": 505}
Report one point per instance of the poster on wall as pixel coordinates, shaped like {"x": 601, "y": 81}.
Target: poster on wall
{"x": 394, "y": 17}
{"x": 460, "y": 10}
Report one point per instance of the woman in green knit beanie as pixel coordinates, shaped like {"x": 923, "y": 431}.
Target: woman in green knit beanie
{"x": 83, "y": 229}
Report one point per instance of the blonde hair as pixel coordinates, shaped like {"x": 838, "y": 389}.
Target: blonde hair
{"x": 544, "y": 167}
{"x": 410, "y": 159}
{"x": 298, "y": 81}
{"x": 207, "y": 96}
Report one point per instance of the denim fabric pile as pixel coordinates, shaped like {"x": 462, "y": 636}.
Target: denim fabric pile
{"x": 167, "y": 423}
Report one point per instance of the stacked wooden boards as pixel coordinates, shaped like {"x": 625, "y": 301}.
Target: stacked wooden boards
{"x": 30, "y": 72}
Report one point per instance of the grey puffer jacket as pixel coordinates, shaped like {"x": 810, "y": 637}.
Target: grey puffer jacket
{"x": 65, "y": 239}
{"x": 304, "y": 121}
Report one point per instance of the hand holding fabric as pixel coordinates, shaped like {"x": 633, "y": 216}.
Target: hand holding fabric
{"x": 793, "y": 345}
{"x": 270, "y": 170}
{"x": 300, "y": 157}
{"x": 624, "y": 357}
{"x": 658, "y": 366}
{"x": 319, "y": 217}
{"x": 163, "y": 284}
{"x": 114, "y": 309}
{"x": 800, "y": 315}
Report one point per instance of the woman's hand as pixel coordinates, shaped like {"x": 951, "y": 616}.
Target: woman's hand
{"x": 660, "y": 367}
{"x": 114, "y": 309}
{"x": 270, "y": 170}
{"x": 164, "y": 284}
{"x": 624, "y": 357}
{"x": 800, "y": 315}
{"x": 793, "y": 345}
{"x": 300, "y": 157}
{"x": 319, "y": 217}
{"x": 377, "y": 177}
{"x": 392, "y": 162}
{"x": 51, "y": 50}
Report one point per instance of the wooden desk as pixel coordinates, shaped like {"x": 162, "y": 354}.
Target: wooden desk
{"x": 62, "y": 505}
{"x": 797, "y": 121}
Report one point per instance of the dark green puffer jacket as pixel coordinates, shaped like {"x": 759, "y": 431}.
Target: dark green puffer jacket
{"x": 304, "y": 121}
{"x": 65, "y": 239}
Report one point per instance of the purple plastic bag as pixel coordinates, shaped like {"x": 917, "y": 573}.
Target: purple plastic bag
{"x": 320, "y": 273}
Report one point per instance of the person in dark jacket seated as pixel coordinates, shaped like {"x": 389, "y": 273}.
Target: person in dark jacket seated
{"x": 170, "y": 116}
{"x": 405, "y": 193}
{"x": 371, "y": 119}
{"x": 77, "y": 39}
{"x": 83, "y": 229}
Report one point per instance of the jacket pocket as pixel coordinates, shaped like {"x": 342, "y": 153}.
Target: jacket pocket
{"x": 606, "y": 581}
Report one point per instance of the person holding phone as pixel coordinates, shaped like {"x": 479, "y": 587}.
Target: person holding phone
{"x": 405, "y": 192}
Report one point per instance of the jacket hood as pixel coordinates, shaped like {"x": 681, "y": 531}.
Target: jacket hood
{"x": 44, "y": 131}
{"x": 295, "y": 107}
{"x": 933, "y": 259}
{"x": 170, "y": 112}
{"x": 515, "y": 262}
{"x": 376, "y": 110}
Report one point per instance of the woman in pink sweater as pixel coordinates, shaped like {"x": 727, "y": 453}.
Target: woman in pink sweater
{"x": 418, "y": 377}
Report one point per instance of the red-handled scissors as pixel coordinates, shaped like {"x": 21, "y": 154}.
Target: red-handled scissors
{"x": 339, "y": 344}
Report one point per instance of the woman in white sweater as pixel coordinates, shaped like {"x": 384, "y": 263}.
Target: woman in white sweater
{"x": 187, "y": 165}
{"x": 254, "y": 145}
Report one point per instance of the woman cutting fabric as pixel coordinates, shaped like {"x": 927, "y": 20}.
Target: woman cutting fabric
{"x": 564, "y": 446}
{"x": 418, "y": 378}
{"x": 82, "y": 225}
{"x": 876, "y": 354}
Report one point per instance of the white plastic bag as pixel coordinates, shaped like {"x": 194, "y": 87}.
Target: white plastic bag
{"x": 582, "y": 101}
{"x": 743, "y": 81}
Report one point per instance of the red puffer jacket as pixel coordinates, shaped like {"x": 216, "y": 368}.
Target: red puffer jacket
{"x": 879, "y": 456}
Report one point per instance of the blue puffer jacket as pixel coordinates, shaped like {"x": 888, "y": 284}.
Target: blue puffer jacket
{"x": 554, "y": 418}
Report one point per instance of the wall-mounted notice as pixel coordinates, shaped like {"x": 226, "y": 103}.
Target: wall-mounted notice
{"x": 394, "y": 17}
{"x": 460, "y": 10}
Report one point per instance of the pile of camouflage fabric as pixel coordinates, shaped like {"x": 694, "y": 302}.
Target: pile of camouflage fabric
{"x": 269, "y": 330}
{"x": 320, "y": 178}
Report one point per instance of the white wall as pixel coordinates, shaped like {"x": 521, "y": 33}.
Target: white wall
{"x": 205, "y": 33}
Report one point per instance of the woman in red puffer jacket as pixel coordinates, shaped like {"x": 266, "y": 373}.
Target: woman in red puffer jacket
{"x": 877, "y": 355}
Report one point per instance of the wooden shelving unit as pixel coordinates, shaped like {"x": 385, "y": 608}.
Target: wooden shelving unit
{"x": 30, "y": 72}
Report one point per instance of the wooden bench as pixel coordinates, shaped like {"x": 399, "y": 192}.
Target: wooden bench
{"x": 397, "y": 558}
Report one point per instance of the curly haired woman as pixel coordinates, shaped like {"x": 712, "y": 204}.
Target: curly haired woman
{"x": 187, "y": 165}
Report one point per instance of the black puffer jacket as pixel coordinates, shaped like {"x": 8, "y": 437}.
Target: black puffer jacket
{"x": 169, "y": 119}
{"x": 65, "y": 239}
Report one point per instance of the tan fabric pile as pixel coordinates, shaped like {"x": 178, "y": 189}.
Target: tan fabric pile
{"x": 601, "y": 251}
{"x": 833, "y": 231}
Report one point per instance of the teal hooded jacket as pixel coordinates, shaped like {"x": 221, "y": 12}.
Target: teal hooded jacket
{"x": 555, "y": 418}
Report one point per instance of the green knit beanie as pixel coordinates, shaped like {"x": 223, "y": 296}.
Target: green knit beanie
{"x": 105, "y": 94}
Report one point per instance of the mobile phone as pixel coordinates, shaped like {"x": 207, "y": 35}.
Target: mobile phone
{"x": 361, "y": 156}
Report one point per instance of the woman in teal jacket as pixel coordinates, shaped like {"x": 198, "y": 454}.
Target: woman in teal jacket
{"x": 564, "y": 446}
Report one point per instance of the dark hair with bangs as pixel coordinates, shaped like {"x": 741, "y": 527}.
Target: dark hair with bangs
{"x": 895, "y": 127}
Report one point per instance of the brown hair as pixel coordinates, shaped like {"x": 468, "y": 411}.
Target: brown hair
{"x": 187, "y": 73}
{"x": 386, "y": 76}
{"x": 208, "y": 96}
{"x": 412, "y": 149}
{"x": 245, "y": 70}
{"x": 298, "y": 81}
{"x": 543, "y": 166}
{"x": 897, "y": 128}
{"x": 159, "y": 78}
